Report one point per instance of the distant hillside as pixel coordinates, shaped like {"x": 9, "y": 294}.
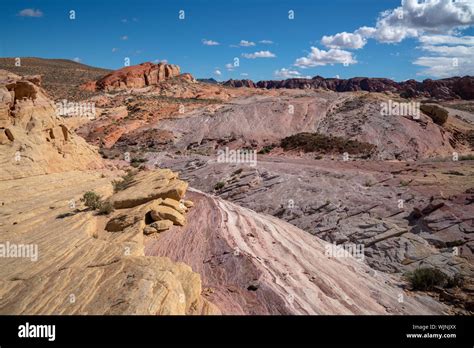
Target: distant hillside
{"x": 210, "y": 80}
{"x": 61, "y": 77}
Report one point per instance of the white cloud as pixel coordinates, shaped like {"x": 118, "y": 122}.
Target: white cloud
{"x": 319, "y": 57}
{"x": 441, "y": 67}
{"x": 434, "y": 23}
{"x": 344, "y": 40}
{"x": 413, "y": 19}
{"x": 244, "y": 74}
{"x": 30, "y": 12}
{"x": 164, "y": 61}
{"x": 450, "y": 51}
{"x": 259, "y": 54}
{"x": 286, "y": 73}
{"x": 124, "y": 38}
{"x": 230, "y": 67}
{"x": 446, "y": 40}
{"x": 245, "y": 43}
{"x": 266, "y": 42}
{"x": 448, "y": 56}
{"x": 209, "y": 42}
{"x": 217, "y": 72}
{"x": 114, "y": 49}
{"x": 77, "y": 59}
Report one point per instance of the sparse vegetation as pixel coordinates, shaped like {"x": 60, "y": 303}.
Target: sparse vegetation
{"x": 266, "y": 149}
{"x": 218, "y": 186}
{"x": 453, "y": 172}
{"x": 136, "y": 162}
{"x": 94, "y": 201}
{"x": 466, "y": 158}
{"x": 426, "y": 278}
{"x": 91, "y": 200}
{"x": 120, "y": 185}
{"x": 105, "y": 208}
{"x": 436, "y": 113}
{"x": 315, "y": 142}
{"x": 237, "y": 172}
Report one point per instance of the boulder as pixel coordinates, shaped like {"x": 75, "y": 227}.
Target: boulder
{"x": 172, "y": 203}
{"x": 149, "y": 186}
{"x": 188, "y": 204}
{"x": 158, "y": 226}
{"x": 162, "y": 212}
{"x": 120, "y": 222}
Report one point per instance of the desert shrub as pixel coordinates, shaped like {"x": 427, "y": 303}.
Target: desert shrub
{"x": 426, "y": 278}
{"x": 126, "y": 180}
{"x": 436, "y": 113}
{"x": 466, "y": 158}
{"x": 105, "y": 208}
{"x": 368, "y": 183}
{"x": 315, "y": 142}
{"x": 219, "y": 185}
{"x": 237, "y": 172}
{"x": 456, "y": 281}
{"x": 266, "y": 149}
{"x": 404, "y": 182}
{"x": 135, "y": 162}
{"x": 91, "y": 200}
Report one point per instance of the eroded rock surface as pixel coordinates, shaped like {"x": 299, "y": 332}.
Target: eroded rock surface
{"x": 33, "y": 139}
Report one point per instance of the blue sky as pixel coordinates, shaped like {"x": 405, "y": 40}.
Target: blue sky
{"x": 214, "y": 33}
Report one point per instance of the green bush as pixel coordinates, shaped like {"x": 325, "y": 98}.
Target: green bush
{"x": 91, "y": 200}
{"x": 436, "y": 113}
{"x": 266, "y": 149}
{"x": 315, "y": 142}
{"x": 426, "y": 278}
{"x": 105, "y": 208}
{"x": 219, "y": 185}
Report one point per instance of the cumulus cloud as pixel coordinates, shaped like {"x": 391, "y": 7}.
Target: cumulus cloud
{"x": 30, "y": 12}
{"x": 319, "y": 57}
{"x": 259, "y": 54}
{"x": 230, "y": 67}
{"x": 344, "y": 40}
{"x": 286, "y": 73}
{"x": 124, "y": 38}
{"x": 217, "y": 72}
{"x": 446, "y": 56}
{"x": 77, "y": 59}
{"x": 210, "y": 42}
{"x": 434, "y": 23}
{"x": 245, "y": 43}
{"x": 266, "y": 42}
{"x": 411, "y": 19}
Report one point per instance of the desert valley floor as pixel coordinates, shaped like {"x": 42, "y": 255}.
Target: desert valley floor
{"x": 131, "y": 210}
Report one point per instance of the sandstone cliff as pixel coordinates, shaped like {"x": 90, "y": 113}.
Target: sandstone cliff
{"x": 33, "y": 138}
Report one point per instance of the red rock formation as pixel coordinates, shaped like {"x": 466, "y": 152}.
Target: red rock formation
{"x": 240, "y": 83}
{"x": 137, "y": 76}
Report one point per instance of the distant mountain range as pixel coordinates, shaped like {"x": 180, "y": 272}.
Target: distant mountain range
{"x": 449, "y": 88}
